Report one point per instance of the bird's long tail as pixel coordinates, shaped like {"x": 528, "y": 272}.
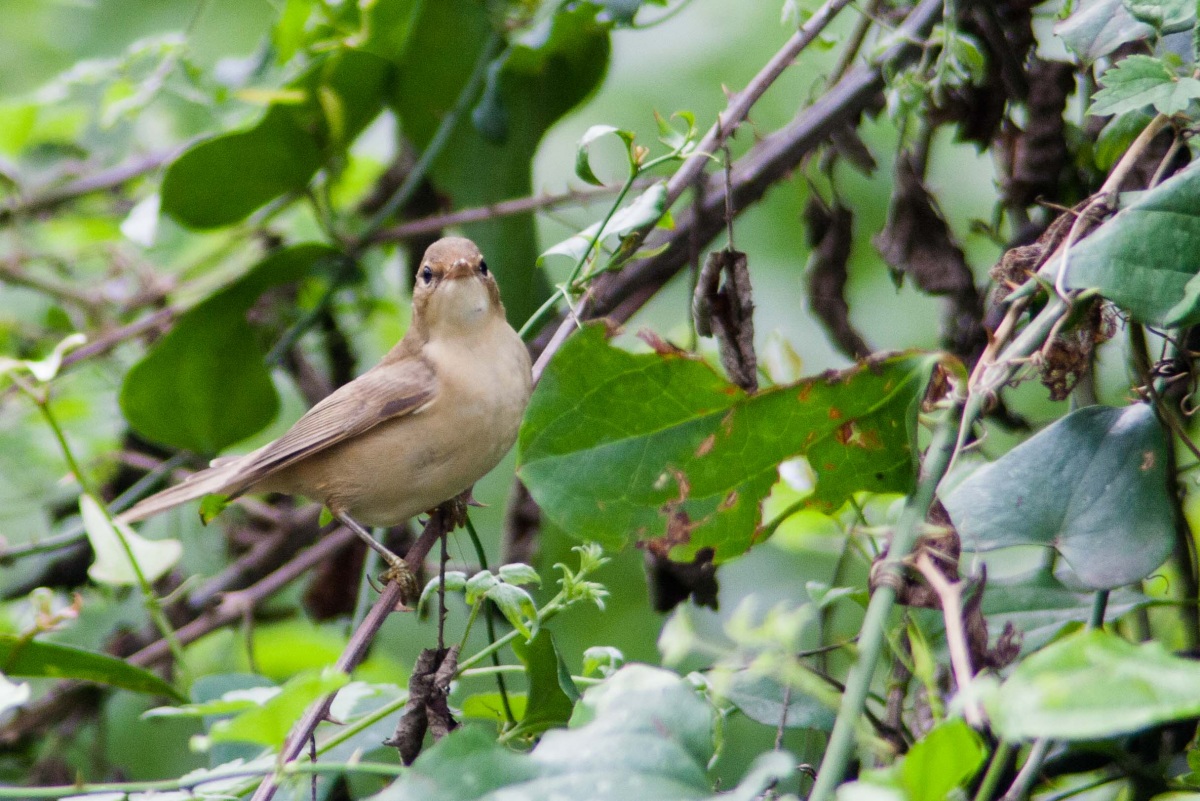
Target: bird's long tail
{"x": 217, "y": 478}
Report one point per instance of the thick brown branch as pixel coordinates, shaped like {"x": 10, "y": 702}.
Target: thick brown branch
{"x": 619, "y": 295}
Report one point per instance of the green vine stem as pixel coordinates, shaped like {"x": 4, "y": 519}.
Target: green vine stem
{"x": 41, "y": 398}
{"x": 874, "y": 628}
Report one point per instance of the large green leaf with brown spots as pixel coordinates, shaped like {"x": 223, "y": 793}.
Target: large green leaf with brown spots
{"x": 659, "y": 449}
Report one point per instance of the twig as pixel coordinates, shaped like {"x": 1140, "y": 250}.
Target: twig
{"x": 1029, "y": 771}
{"x": 950, "y": 594}
{"x": 355, "y": 651}
{"x": 492, "y": 211}
{"x": 101, "y": 181}
{"x": 61, "y": 699}
{"x": 619, "y": 295}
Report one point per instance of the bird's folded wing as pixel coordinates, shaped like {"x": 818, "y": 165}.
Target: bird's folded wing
{"x": 388, "y": 391}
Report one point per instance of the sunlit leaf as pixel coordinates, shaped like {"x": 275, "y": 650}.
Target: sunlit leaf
{"x": 46, "y": 369}
{"x": 221, "y": 180}
{"x": 583, "y": 166}
{"x": 269, "y": 722}
{"x": 619, "y": 447}
{"x": 942, "y": 761}
{"x": 643, "y": 210}
{"x": 112, "y": 566}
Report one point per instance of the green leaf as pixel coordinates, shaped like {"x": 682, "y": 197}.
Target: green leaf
{"x": 1116, "y": 137}
{"x": 760, "y": 698}
{"x": 942, "y": 761}
{"x": 1142, "y": 259}
{"x": 228, "y": 703}
{"x": 1092, "y": 685}
{"x": 643, "y": 210}
{"x": 1039, "y": 607}
{"x": 111, "y": 566}
{"x": 1165, "y": 16}
{"x": 489, "y": 706}
{"x": 478, "y": 585}
{"x": 269, "y": 722}
{"x": 44, "y": 370}
{"x": 456, "y": 581}
{"x": 583, "y": 167}
{"x": 552, "y": 694}
{"x": 38, "y": 659}
{"x": 539, "y": 78}
{"x": 1099, "y": 27}
{"x": 644, "y": 733}
{"x": 618, "y": 447}
{"x": 1092, "y": 486}
{"x": 1139, "y": 81}
{"x": 519, "y": 574}
{"x": 602, "y": 659}
{"x": 517, "y": 606}
{"x": 205, "y": 386}
{"x": 220, "y": 181}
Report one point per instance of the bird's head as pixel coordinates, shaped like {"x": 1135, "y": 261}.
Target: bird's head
{"x": 455, "y": 292}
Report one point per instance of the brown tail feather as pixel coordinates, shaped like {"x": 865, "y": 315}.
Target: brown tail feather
{"x": 197, "y": 485}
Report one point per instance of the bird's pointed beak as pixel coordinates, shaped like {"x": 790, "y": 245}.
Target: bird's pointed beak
{"x": 460, "y": 269}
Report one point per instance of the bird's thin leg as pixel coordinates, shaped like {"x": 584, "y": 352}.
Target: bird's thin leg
{"x": 398, "y": 569}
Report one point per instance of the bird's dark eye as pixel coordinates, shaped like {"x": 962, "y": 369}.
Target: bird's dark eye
{"x": 483, "y": 268}
{"x": 426, "y": 274}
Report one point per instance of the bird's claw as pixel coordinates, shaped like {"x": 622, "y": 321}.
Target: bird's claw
{"x": 399, "y": 572}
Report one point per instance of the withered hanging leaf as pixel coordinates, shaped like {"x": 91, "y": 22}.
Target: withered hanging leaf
{"x": 1005, "y": 31}
{"x": 427, "y": 708}
{"x": 727, "y": 312}
{"x": 671, "y": 583}
{"x": 1037, "y": 155}
{"x": 831, "y": 235}
{"x": 917, "y": 242}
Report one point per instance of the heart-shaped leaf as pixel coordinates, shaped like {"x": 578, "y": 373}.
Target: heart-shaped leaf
{"x": 1092, "y": 486}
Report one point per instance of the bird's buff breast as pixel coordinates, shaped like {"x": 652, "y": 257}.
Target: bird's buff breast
{"x": 414, "y": 463}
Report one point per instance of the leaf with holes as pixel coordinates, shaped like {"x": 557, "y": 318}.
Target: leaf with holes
{"x": 661, "y": 450}
{"x": 1092, "y": 486}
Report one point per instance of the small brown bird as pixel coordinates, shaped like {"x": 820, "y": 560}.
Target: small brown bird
{"x": 437, "y": 413}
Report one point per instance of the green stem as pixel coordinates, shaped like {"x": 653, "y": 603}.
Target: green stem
{"x": 42, "y": 400}
{"x": 858, "y": 681}
{"x": 543, "y": 313}
{"x": 1099, "y": 606}
{"x": 995, "y": 770}
{"x": 490, "y": 621}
